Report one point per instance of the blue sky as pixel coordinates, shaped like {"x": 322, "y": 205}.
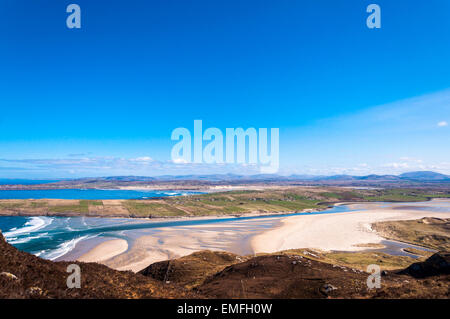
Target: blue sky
{"x": 103, "y": 100}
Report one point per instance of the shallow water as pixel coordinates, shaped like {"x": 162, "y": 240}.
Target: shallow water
{"x": 395, "y": 248}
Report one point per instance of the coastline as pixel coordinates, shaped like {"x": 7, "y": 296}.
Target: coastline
{"x": 340, "y": 231}
{"x": 348, "y": 231}
{"x": 164, "y": 218}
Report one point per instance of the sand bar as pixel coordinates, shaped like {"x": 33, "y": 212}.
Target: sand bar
{"x": 105, "y": 251}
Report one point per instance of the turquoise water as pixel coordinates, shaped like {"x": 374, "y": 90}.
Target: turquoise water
{"x": 53, "y": 237}
{"x": 89, "y": 194}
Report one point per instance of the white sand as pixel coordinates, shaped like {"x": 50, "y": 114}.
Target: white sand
{"x": 340, "y": 231}
{"x": 105, "y": 251}
{"x": 178, "y": 241}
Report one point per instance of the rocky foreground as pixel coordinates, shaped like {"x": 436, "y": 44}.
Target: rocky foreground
{"x": 209, "y": 274}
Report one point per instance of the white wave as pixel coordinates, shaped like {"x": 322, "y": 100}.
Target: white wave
{"x": 34, "y": 224}
{"x": 63, "y": 248}
{"x": 68, "y": 225}
{"x": 22, "y": 240}
{"x": 40, "y": 253}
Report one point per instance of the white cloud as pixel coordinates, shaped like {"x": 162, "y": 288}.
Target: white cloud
{"x": 115, "y": 166}
{"x": 396, "y": 165}
{"x": 142, "y": 159}
{"x": 410, "y": 159}
{"x": 180, "y": 161}
{"x": 442, "y": 123}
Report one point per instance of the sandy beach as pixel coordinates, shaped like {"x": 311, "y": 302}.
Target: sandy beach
{"x": 346, "y": 231}
{"x": 105, "y": 251}
{"x": 175, "y": 242}
{"x": 343, "y": 231}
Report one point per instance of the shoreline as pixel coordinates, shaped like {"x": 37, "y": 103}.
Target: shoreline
{"x": 174, "y": 218}
{"x": 339, "y": 231}
{"x": 347, "y": 231}
{"x": 165, "y": 218}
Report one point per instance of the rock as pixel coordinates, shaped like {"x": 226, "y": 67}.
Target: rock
{"x": 9, "y": 275}
{"x": 384, "y": 273}
{"x": 35, "y": 292}
{"x": 305, "y": 252}
{"x": 438, "y": 264}
{"x": 327, "y": 288}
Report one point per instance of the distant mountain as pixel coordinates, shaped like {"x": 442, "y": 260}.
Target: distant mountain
{"x": 425, "y": 176}
{"x": 336, "y": 178}
{"x": 303, "y": 177}
{"x": 374, "y": 177}
{"x": 406, "y": 179}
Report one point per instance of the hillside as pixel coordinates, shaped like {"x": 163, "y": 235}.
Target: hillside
{"x": 220, "y": 275}
{"x": 23, "y": 275}
{"x": 425, "y": 176}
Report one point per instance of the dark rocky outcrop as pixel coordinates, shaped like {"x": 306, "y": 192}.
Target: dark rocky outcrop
{"x": 438, "y": 264}
{"x": 28, "y": 276}
{"x": 190, "y": 271}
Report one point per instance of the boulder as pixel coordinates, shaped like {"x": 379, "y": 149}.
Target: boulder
{"x": 327, "y": 288}
{"x": 9, "y": 275}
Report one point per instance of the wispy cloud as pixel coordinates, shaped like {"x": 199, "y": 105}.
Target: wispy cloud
{"x": 442, "y": 123}
{"x": 107, "y": 166}
{"x": 411, "y": 160}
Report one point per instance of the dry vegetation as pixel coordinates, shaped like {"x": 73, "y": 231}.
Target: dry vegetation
{"x": 428, "y": 232}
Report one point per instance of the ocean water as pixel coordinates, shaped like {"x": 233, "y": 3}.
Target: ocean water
{"x": 89, "y": 194}
{"x": 54, "y": 237}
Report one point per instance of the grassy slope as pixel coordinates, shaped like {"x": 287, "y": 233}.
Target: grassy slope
{"x": 428, "y": 232}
